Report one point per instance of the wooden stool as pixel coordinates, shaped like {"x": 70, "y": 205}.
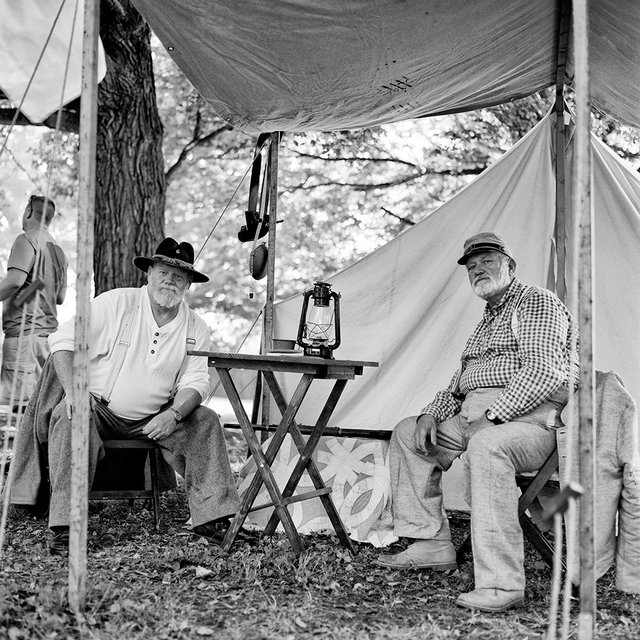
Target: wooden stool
{"x": 152, "y": 494}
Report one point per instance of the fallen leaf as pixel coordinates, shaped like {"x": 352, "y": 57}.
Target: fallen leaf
{"x": 202, "y": 572}
{"x": 205, "y": 631}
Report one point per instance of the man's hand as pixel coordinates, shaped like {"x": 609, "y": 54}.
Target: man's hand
{"x": 160, "y": 426}
{"x": 426, "y": 433}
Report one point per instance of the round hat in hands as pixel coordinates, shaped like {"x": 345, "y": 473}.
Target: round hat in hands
{"x": 485, "y": 241}
{"x": 175, "y": 254}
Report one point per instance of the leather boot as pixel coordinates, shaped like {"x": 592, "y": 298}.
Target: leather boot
{"x": 423, "y": 554}
{"x": 491, "y": 600}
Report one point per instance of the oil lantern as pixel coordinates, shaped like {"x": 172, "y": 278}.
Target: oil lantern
{"x": 319, "y": 329}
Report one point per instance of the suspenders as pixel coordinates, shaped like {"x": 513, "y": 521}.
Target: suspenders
{"x": 123, "y": 342}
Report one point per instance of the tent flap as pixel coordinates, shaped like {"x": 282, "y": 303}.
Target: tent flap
{"x": 344, "y": 64}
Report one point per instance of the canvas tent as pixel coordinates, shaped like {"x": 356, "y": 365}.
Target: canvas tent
{"x": 285, "y": 66}
{"x": 45, "y": 37}
{"x": 339, "y": 64}
{"x": 408, "y": 305}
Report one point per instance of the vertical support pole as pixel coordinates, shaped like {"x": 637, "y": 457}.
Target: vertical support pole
{"x": 560, "y": 233}
{"x": 584, "y": 215}
{"x": 560, "y": 225}
{"x": 80, "y": 395}
{"x": 267, "y": 326}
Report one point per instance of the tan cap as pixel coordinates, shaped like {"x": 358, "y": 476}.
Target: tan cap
{"x": 485, "y": 241}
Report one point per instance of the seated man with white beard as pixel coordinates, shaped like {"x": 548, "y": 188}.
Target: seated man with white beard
{"x": 142, "y": 385}
{"x": 498, "y": 415}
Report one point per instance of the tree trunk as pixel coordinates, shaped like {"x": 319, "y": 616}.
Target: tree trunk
{"x": 130, "y": 193}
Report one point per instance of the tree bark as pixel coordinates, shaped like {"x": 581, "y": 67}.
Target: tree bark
{"x": 130, "y": 193}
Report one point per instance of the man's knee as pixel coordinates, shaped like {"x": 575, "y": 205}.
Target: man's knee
{"x": 482, "y": 445}
{"x": 405, "y": 430}
{"x": 204, "y": 418}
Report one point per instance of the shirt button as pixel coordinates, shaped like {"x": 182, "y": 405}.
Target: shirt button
{"x": 157, "y": 334}
{"x": 152, "y": 351}
{"x": 155, "y": 342}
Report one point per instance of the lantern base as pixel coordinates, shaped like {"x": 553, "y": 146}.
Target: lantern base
{"x": 319, "y": 351}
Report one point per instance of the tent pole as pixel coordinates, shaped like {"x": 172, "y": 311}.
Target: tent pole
{"x": 80, "y": 391}
{"x": 586, "y": 422}
{"x": 267, "y": 326}
{"x": 560, "y": 224}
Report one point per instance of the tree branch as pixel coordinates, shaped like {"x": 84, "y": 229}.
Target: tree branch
{"x": 196, "y": 141}
{"x": 314, "y": 156}
{"x": 360, "y": 186}
{"x": 401, "y": 218}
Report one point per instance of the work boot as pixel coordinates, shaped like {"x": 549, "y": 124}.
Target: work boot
{"x": 491, "y": 600}
{"x": 423, "y": 554}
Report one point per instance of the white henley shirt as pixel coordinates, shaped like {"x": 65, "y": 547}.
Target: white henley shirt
{"x": 153, "y": 359}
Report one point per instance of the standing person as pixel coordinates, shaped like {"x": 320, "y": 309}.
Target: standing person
{"x": 143, "y": 385}
{"x": 499, "y": 415}
{"x": 37, "y": 267}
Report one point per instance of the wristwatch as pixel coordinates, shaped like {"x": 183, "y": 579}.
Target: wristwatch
{"x": 176, "y": 414}
{"x": 492, "y": 417}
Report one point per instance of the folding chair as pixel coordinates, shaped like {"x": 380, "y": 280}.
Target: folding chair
{"x": 531, "y": 484}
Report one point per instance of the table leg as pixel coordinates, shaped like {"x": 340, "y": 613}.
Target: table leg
{"x": 306, "y": 461}
{"x": 263, "y": 460}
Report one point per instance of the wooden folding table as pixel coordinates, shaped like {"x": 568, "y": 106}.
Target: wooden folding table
{"x": 309, "y": 369}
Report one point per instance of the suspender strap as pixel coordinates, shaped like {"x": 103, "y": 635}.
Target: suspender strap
{"x": 120, "y": 350}
{"x": 191, "y": 343}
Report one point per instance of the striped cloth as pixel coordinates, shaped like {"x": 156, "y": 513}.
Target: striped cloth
{"x": 522, "y": 344}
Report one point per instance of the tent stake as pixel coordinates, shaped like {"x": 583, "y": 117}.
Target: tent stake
{"x": 80, "y": 395}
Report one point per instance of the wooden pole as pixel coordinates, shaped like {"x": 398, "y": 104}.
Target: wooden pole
{"x": 267, "y": 325}
{"x": 560, "y": 223}
{"x": 584, "y": 216}
{"x": 80, "y": 395}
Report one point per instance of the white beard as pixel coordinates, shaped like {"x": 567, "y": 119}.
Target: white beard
{"x": 487, "y": 288}
{"x": 166, "y": 297}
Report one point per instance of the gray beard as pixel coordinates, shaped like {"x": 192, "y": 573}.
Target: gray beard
{"x": 165, "y": 298}
{"x": 486, "y": 289}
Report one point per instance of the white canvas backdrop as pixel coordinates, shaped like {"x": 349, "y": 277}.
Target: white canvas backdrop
{"x": 34, "y": 29}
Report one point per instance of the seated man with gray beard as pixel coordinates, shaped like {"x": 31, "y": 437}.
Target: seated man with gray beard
{"x": 142, "y": 385}
{"x": 498, "y": 415}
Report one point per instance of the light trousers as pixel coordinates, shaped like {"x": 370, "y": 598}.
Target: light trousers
{"x": 196, "y": 450}
{"x": 22, "y": 362}
{"x": 491, "y": 457}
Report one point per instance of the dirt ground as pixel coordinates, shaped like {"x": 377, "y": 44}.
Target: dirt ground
{"x": 170, "y": 584}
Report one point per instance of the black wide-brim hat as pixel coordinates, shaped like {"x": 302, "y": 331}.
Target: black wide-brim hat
{"x": 175, "y": 254}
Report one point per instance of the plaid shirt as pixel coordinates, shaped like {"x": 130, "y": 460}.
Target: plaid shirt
{"x": 522, "y": 344}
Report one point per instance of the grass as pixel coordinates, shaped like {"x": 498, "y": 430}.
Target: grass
{"x": 171, "y": 585}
